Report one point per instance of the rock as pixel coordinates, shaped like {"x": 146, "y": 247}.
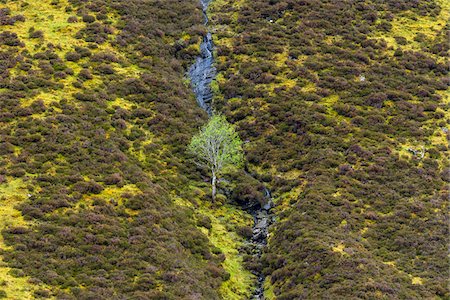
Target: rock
{"x": 203, "y": 72}
{"x": 267, "y": 206}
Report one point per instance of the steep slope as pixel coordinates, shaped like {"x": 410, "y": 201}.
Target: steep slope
{"x": 94, "y": 118}
{"x": 344, "y": 110}
{"x": 344, "y": 107}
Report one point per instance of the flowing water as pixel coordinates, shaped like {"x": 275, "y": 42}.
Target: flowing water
{"x": 201, "y": 74}
{"x": 262, "y": 219}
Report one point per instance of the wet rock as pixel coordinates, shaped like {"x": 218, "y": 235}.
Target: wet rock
{"x": 262, "y": 220}
{"x": 202, "y": 73}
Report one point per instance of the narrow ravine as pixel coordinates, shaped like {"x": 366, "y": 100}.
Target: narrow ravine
{"x": 262, "y": 219}
{"x": 201, "y": 74}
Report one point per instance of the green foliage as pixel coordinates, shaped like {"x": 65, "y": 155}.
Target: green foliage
{"x": 217, "y": 145}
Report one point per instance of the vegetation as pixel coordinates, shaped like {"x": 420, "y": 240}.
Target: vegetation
{"x": 13, "y": 283}
{"x": 222, "y": 223}
{"x": 94, "y": 121}
{"x": 338, "y": 99}
{"x": 216, "y": 147}
{"x": 345, "y": 108}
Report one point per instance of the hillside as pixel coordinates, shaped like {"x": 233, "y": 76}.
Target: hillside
{"x": 94, "y": 116}
{"x": 344, "y": 110}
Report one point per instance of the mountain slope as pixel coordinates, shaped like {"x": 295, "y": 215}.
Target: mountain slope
{"x": 344, "y": 107}
{"x": 94, "y": 120}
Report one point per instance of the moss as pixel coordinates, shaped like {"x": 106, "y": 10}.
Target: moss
{"x": 339, "y": 249}
{"x": 50, "y": 19}
{"x": 409, "y": 25}
{"x": 225, "y": 221}
{"x": 241, "y": 280}
{"x": 12, "y": 194}
{"x": 269, "y": 293}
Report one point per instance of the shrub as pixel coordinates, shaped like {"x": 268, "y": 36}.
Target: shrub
{"x": 112, "y": 179}
{"x": 87, "y": 187}
{"x": 72, "y": 19}
{"x": 88, "y": 19}
{"x": 245, "y": 231}
{"x": 83, "y": 52}
{"x": 401, "y": 40}
{"x": 204, "y": 221}
{"x": 36, "y": 34}
{"x": 41, "y": 293}
{"x": 105, "y": 69}
{"x": 85, "y": 74}
{"x": 10, "y": 39}
{"x": 73, "y": 56}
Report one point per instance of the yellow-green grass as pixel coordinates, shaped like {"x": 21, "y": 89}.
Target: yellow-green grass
{"x": 310, "y": 87}
{"x": 120, "y": 102}
{"x": 328, "y": 102}
{"x": 51, "y": 19}
{"x": 237, "y": 287}
{"x": 223, "y": 236}
{"x": 111, "y": 194}
{"x": 12, "y": 193}
{"x": 409, "y": 24}
{"x": 445, "y": 102}
{"x": 269, "y": 293}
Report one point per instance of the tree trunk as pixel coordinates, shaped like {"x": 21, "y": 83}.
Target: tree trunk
{"x": 213, "y": 183}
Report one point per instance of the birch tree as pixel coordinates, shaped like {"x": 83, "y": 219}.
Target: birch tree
{"x": 217, "y": 147}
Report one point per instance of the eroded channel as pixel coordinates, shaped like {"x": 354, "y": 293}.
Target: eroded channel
{"x": 201, "y": 74}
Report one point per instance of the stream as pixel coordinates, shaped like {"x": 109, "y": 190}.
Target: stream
{"x": 262, "y": 219}
{"x": 201, "y": 74}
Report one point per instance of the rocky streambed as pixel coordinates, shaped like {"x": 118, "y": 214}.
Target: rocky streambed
{"x": 201, "y": 74}
{"x": 262, "y": 219}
